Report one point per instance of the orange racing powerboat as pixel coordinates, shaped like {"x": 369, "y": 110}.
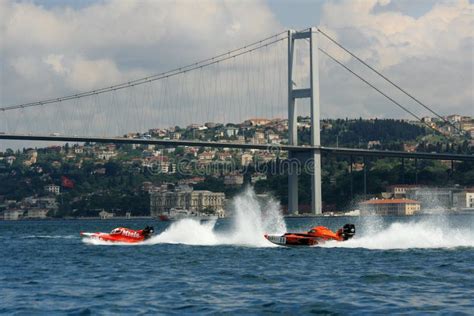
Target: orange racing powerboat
{"x": 314, "y": 236}
{"x": 121, "y": 234}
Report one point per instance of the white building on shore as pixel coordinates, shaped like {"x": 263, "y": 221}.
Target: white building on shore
{"x": 188, "y": 199}
{"x": 394, "y": 207}
{"x": 464, "y": 200}
{"x": 37, "y": 213}
{"x": 12, "y": 215}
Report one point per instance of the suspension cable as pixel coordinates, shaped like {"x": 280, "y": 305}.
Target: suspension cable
{"x": 380, "y": 91}
{"x": 170, "y": 73}
{"x": 389, "y": 81}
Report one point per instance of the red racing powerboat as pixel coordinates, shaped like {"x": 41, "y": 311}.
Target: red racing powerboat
{"x": 121, "y": 234}
{"x": 314, "y": 236}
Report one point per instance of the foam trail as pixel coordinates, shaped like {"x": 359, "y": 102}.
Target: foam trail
{"x": 99, "y": 242}
{"x": 427, "y": 233}
{"x": 189, "y": 232}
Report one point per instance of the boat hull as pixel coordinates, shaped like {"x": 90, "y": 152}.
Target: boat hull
{"x": 112, "y": 238}
{"x": 317, "y": 235}
{"x": 291, "y": 240}
{"x": 122, "y": 235}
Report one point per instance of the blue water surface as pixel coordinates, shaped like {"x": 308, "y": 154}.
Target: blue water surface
{"x": 46, "y": 268}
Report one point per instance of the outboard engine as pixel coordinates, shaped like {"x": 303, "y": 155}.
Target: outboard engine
{"x": 348, "y": 231}
{"x": 148, "y": 231}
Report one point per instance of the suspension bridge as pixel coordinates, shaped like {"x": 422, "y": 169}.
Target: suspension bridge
{"x": 264, "y": 79}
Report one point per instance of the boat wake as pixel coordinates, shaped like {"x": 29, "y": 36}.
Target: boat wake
{"x": 423, "y": 233}
{"x": 100, "y": 242}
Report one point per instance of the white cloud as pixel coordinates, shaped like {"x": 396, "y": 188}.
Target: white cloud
{"x": 431, "y": 56}
{"x": 56, "y": 63}
{"x": 90, "y": 74}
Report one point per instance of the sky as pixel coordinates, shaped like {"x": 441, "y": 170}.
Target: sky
{"x": 50, "y": 48}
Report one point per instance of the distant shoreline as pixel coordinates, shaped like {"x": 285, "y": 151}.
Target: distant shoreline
{"x": 302, "y": 216}
{"x": 77, "y": 218}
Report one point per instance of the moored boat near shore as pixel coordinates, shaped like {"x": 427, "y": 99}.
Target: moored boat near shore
{"x": 177, "y": 214}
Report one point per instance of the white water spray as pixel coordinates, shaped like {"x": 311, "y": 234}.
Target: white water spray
{"x": 251, "y": 220}
{"x": 428, "y": 232}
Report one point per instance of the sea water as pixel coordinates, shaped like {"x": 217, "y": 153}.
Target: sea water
{"x": 409, "y": 265}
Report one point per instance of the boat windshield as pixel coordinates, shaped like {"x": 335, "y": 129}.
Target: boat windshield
{"x": 116, "y": 231}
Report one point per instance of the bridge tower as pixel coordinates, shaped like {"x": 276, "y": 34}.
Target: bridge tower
{"x": 311, "y": 92}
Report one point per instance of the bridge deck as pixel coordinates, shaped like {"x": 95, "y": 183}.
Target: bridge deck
{"x": 274, "y": 147}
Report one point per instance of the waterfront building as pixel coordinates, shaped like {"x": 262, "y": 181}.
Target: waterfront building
{"x": 12, "y": 215}
{"x": 37, "y": 213}
{"x": 464, "y": 200}
{"x": 188, "y": 199}
{"x": 400, "y": 190}
{"x": 432, "y": 198}
{"x": 105, "y": 215}
{"x": 395, "y": 207}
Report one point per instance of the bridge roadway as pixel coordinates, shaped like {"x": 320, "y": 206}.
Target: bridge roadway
{"x": 340, "y": 151}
